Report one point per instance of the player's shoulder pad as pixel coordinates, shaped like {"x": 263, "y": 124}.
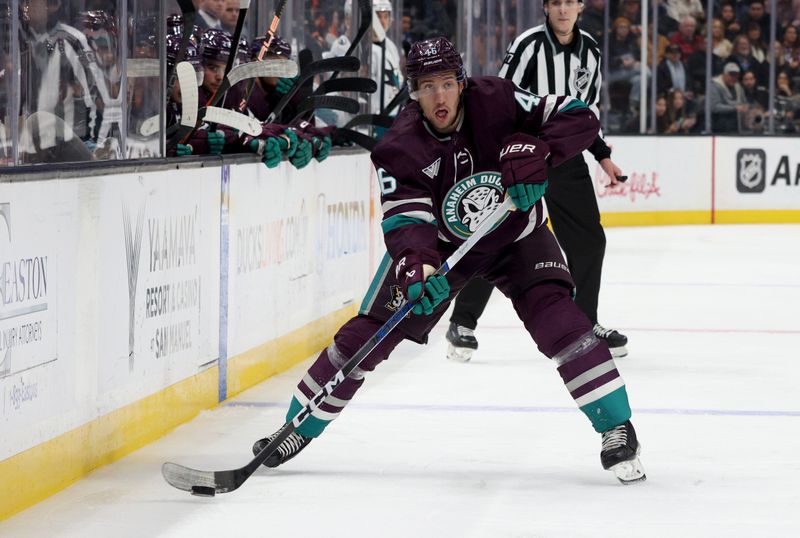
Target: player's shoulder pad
{"x": 489, "y": 87}
{"x": 403, "y": 148}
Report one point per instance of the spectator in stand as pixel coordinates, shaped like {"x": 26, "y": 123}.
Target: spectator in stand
{"x": 787, "y": 102}
{"x": 744, "y": 58}
{"x": 592, "y": 19}
{"x": 230, "y": 15}
{"x": 721, "y": 46}
{"x": 631, "y": 10}
{"x": 756, "y": 13}
{"x": 679, "y": 9}
{"x": 662, "y": 120}
{"x": 790, "y": 45}
{"x": 209, "y": 12}
{"x": 672, "y": 72}
{"x": 732, "y": 25}
{"x": 681, "y": 116}
{"x": 687, "y": 38}
{"x": 754, "y": 95}
{"x": 758, "y": 48}
{"x": 661, "y": 46}
{"x": 624, "y": 55}
{"x": 784, "y": 86}
{"x": 727, "y": 100}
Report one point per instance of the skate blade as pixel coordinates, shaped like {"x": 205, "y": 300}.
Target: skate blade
{"x": 459, "y": 354}
{"x": 618, "y": 352}
{"x": 629, "y": 472}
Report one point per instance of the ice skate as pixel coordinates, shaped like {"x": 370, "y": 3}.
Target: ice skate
{"x": 290, "y": 448}
{"x": 620, "y": 454}
{"x": 461, "y": 343}
{"x": 616, "y": 341}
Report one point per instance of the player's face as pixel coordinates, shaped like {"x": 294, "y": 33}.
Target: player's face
{"x": 214, "y": 72}
{"x": 438, "y": 96}
{"x": 385, "y": 18}
{"x": 562, "y": 15}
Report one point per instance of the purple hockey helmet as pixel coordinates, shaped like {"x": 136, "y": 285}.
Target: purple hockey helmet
{"x": 433, "y": 56}
{"x": 174, "y": 45}
{"x": 215, "y": 45}
{"x": 278, "y": 47}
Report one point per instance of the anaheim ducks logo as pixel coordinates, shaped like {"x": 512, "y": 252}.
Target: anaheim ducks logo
{"x": 470, "y": 201}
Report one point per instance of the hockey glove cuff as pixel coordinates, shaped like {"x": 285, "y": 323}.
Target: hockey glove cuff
{"x": 523, "y": 164}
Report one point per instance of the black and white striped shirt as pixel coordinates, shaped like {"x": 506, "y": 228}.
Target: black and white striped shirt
{"x": 537, "y": 62}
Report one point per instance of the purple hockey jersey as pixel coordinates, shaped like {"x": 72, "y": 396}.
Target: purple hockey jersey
{"x": 441, "y": 187}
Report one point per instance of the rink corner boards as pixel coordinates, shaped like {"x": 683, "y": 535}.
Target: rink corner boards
{"x": 41, "y": 471}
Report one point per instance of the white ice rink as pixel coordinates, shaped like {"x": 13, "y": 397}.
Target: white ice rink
{"x": 496, "y": 448}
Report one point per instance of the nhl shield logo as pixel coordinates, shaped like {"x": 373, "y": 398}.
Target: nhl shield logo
{"x": 470, "y": 201}
{"x": 751, "y": 170}
{"x": 582, "y": 78}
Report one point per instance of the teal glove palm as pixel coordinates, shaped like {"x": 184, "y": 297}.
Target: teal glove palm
{"x": 302, "y": 154}
{"x": 414, "y": 271}
{"x": 324, "y": 148}
{"x": 183, "y": 150}
{"x": 284, "y": 85}
{"x": 437, "y": 289}
{"x": 216, "y": 141}
{"x": 524, "y": 195}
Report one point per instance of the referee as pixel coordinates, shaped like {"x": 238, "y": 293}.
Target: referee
{"x": 556, "y": 58}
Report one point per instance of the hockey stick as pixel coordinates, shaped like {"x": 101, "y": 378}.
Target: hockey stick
{"x": 334, "y": 102}
{"x": 209, "y": 483}
{"x": 378, "y": 120}
{"x": 342, "y": 63}
{"x": 189, "y": 15}
{"x": 219, "y": 94}
{"x": 367, "y": 19}
{"x": 350, "y": 84}
{"x": 349, "y": 135}
{"x": 266, "y": 68}
{"x": 273, "y": 27}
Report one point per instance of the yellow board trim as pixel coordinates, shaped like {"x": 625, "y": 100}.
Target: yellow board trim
{"x": 37, "y": 473}
{"x": 754, "y": 216}
{"x": 255, "y": 365}
{"x": 655, "y": 218}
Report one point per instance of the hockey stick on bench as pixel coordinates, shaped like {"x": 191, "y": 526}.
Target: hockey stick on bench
{"x": 209, "y": 483}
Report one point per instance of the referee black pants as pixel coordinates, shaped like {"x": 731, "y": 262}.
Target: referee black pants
{"x": 575, "y": 218}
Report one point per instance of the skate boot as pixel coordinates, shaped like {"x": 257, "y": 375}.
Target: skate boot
{"x": 616, "y": 341}
{"x": 620, "y": 454}
{"x": 461, "y": 343}
{"x": 290, "y": 448}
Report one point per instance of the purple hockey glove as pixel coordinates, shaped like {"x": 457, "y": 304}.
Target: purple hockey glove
{"x": 523, "y": 164}
{"x": 415, "y": 268}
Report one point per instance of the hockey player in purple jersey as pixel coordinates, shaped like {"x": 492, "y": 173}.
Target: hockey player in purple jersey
{"x": 444, "y": 166}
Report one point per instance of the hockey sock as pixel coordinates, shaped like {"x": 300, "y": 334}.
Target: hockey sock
{"x": 346, "y": 342}
{"x": 592, "y": 379}
{"x": 563, "y": 333}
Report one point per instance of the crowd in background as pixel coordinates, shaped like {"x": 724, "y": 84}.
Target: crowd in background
{"x": 71, "y": 65}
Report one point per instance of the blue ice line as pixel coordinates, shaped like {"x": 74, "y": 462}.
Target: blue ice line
{"x": 705, "y": 284}
{"x": 535, "y": 409}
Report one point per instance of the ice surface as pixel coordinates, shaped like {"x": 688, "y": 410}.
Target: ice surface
{"x": 495, "y": 447}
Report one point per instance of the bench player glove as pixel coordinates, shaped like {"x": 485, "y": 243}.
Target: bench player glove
{"x": 523, "y": 164}
{"x": 304, "y": 150}
{"x": 284, "y": 85}
{"x": 322, "y": 148}
{"x": 183, "y": 150}
{"x": 415, "y": 268}
{"x": 270, "y": 150}
{"x": 216, "y": 141}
